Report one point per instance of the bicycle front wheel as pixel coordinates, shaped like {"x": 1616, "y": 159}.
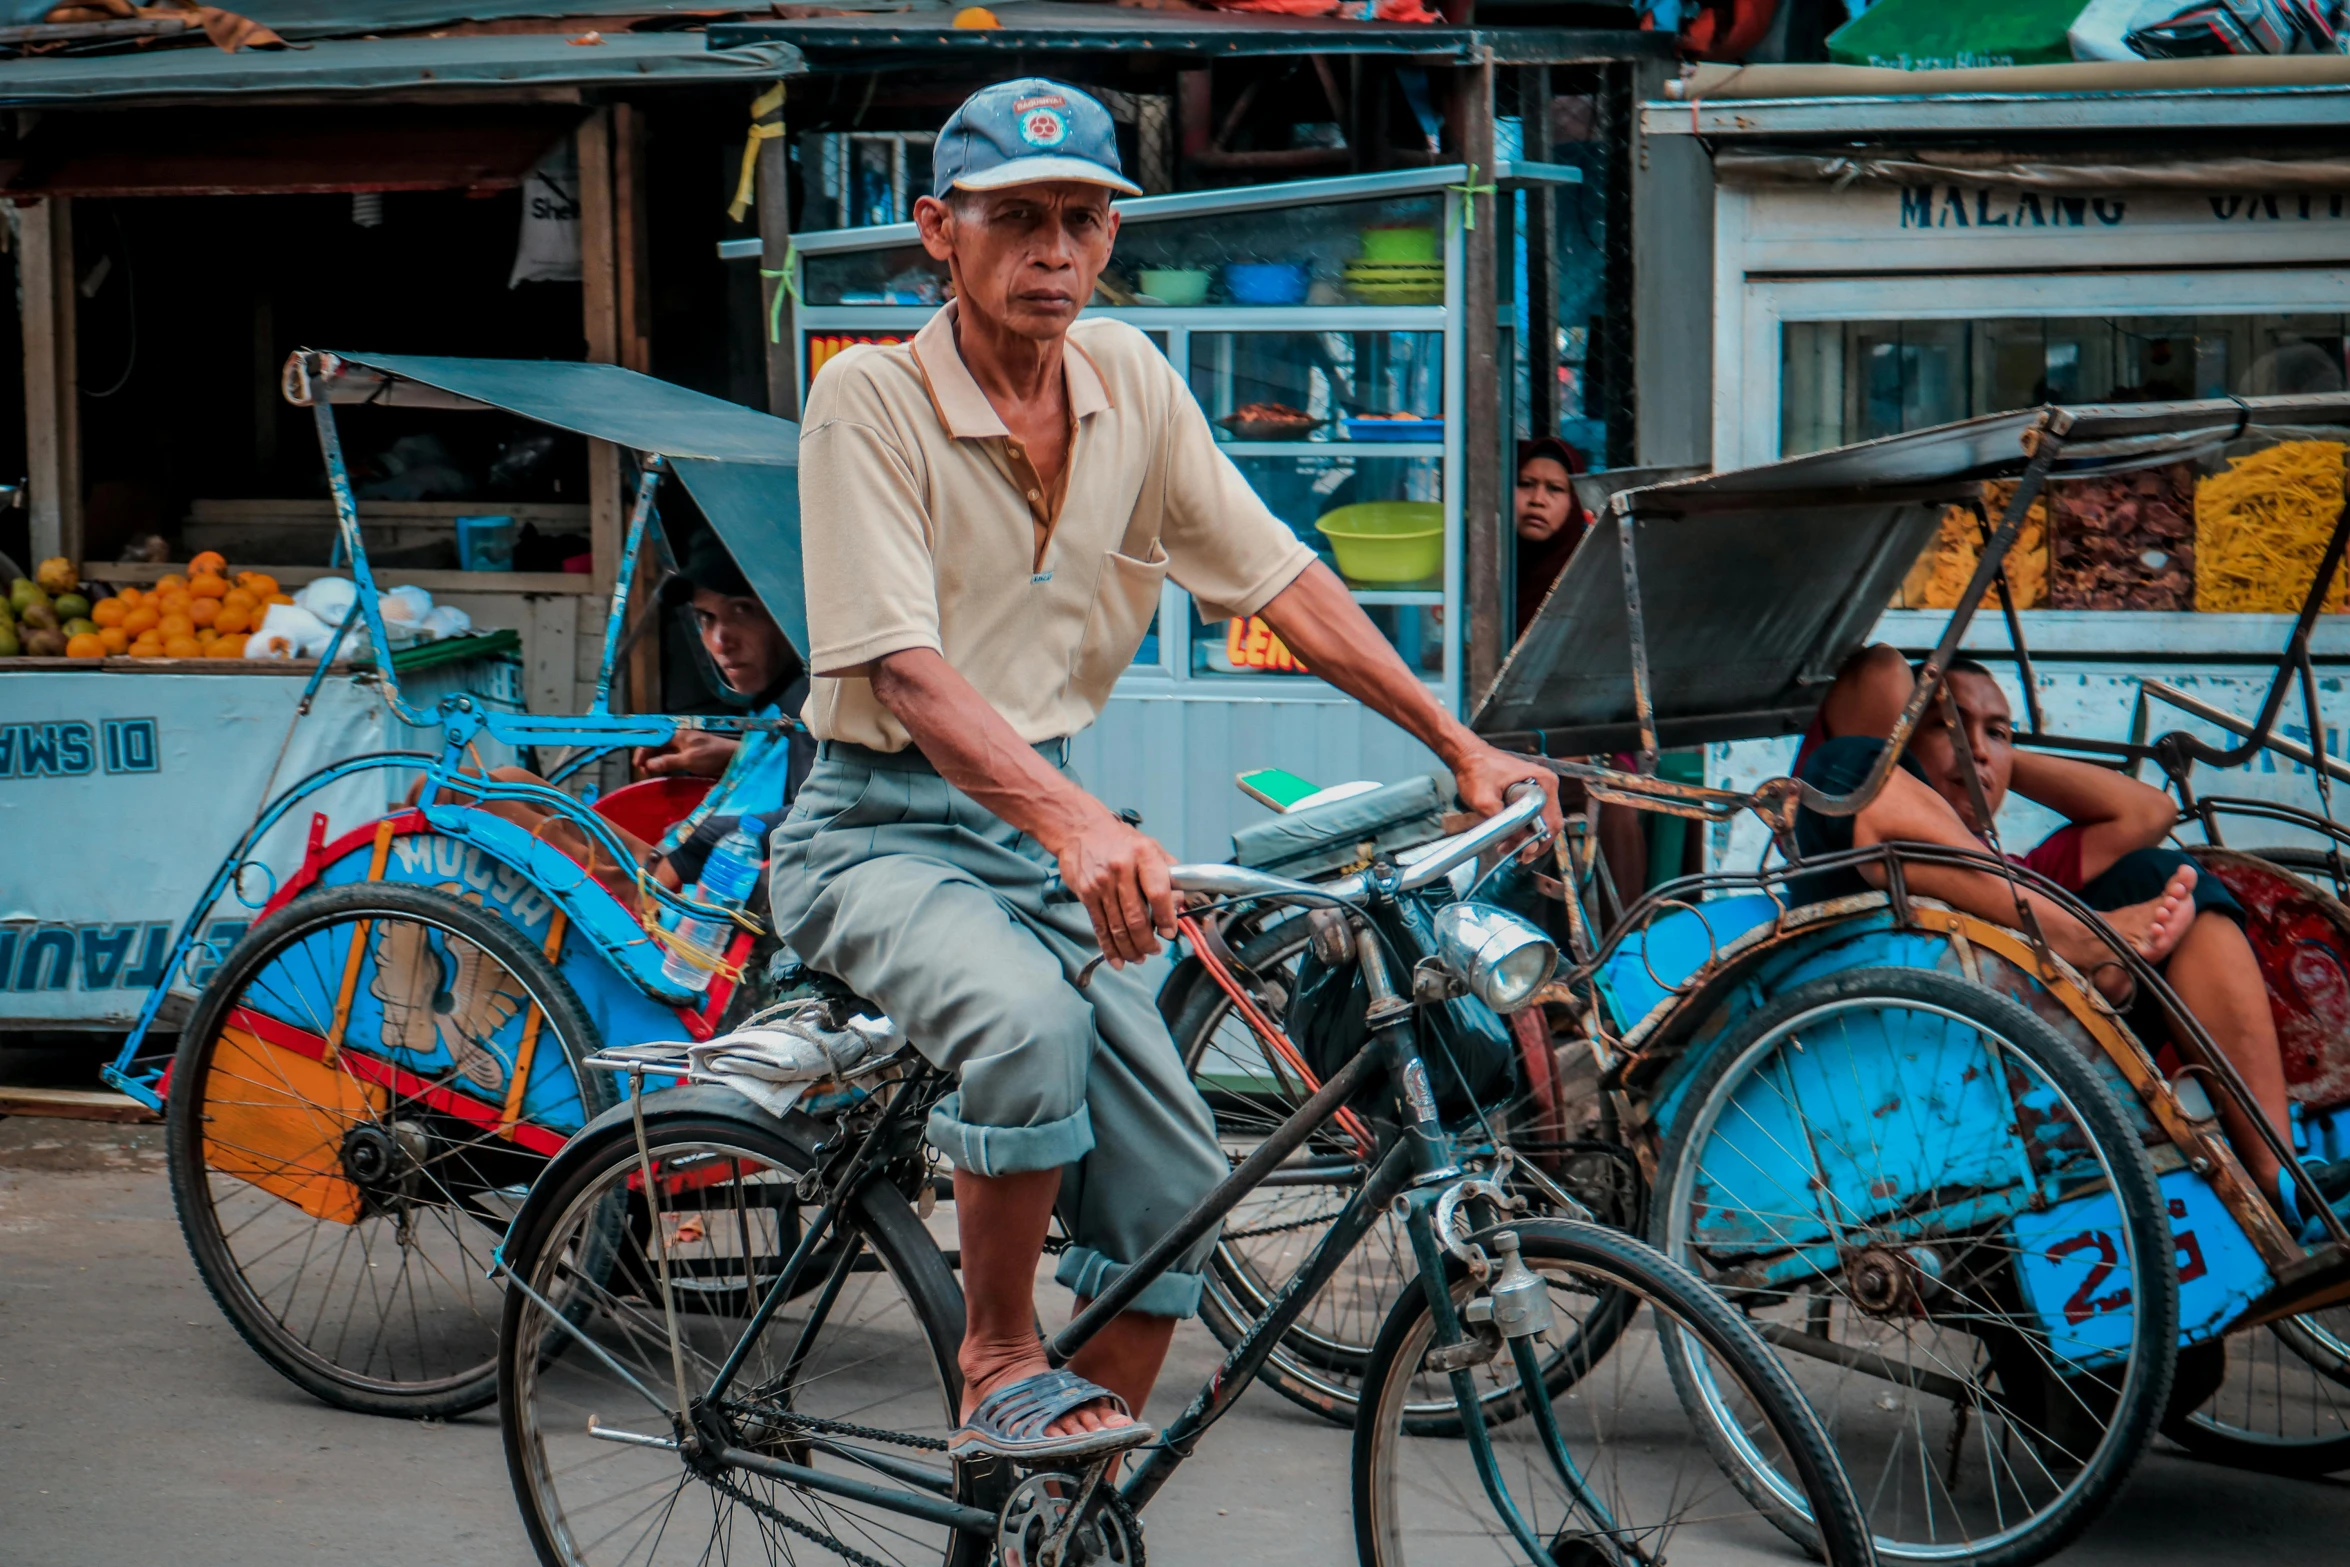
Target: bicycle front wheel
{"x": 1629, "y": 1478}
{"x": 856, "y": 1374}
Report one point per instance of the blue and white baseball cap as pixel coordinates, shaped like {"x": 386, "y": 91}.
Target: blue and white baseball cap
{"x": 1020, "y": 132}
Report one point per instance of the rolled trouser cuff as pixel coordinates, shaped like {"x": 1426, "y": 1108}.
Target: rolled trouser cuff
{"x": 1007, "y": 1150}
{"x": 1086, "y": 1272}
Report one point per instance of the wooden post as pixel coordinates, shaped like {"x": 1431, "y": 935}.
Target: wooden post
{"x": 599, "y": 266}
{"x": 52, "y": 394}
{"x": 1481, "y": 498}
{"x": 781, "y": 324}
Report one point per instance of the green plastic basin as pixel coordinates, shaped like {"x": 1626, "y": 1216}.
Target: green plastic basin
{"x": 1386, "y": 541}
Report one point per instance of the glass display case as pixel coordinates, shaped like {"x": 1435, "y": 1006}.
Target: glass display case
{"x": 1315, "y": 321}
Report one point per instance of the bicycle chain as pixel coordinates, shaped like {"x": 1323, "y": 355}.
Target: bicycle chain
{"x": 815, "y": 1536}
{"x": 816, "y": 1425}
{"x": 1276, "y": 1229}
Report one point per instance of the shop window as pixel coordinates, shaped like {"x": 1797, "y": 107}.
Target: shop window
{"x": 1846, "y": 381}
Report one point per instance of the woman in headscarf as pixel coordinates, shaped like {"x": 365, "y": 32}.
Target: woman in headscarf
{"x": 1550, "y": 520}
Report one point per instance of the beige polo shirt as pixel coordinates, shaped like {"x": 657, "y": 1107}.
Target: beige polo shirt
{"x": 923, "y": 525}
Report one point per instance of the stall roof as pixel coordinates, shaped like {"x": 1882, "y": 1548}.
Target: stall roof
{"x": 2250, "y": 92}
{"x": 369, "y": 67}
{"x": 1754, "y": 586}
{"x": 1056, "y": 27}
{"x": 740, "y": 465}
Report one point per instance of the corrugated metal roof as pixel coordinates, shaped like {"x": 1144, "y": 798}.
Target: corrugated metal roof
{"x": 351, "y": 18}
{"x": 386, "y": 65}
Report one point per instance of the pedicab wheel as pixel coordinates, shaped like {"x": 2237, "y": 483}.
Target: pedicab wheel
{"x": 1879, "y": 1168}
{"x": 2279, "y": 1400}
{"x": 857, "y": 1370}
{"x": 1320, "y": 1361}
{"x": 1639, "y": 1485}
{"x": 336, "y": 1128}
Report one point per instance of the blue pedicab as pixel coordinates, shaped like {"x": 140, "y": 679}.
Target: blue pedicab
{"x": 391, "y": 1045}
{"x": 1994, "y": 1236}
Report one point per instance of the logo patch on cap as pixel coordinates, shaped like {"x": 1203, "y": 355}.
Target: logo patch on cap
{"x": 1043, "y": 127}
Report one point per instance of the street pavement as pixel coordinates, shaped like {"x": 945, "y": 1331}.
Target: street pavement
{"x": 135, "y": 1427}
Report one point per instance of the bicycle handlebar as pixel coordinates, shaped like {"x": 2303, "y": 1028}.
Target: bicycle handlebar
{"x": 1436, "y": 860}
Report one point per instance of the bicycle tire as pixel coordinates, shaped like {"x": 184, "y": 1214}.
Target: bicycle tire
{"x": 457, "y": 1155}
{"x": 687, "y": 1124}
{"x": 2148, "y": 1363}
{"x": 1319, "y": 1362}
{"x": 1389, "y": 1466}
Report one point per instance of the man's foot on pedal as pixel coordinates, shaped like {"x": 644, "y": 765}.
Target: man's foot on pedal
{"x": 984, "y": 1373}
{"x": 1047, "y": 1415}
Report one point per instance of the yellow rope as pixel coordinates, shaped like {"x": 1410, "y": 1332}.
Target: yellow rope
{"x": 766, "y": 125}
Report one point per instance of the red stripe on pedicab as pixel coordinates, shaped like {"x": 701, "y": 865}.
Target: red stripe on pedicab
{"x": 384, "y": 1074}
{"x": 321, "y": 856}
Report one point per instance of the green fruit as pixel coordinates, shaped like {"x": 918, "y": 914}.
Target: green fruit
{"x": 38, "y": 617}
{"x": 9, "y": 646}
{"x": 44, "y": 644}
{"x": 71, "y": 606}
{"x": 25, "y": 592}
{"x": 81, "y": 626}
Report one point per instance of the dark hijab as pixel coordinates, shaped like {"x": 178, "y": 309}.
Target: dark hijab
{"x": 1540, "y": 562}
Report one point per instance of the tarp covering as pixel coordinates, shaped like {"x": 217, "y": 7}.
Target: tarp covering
{"x": 1757, "y": 584}
{"x": 2098, "y": 76}
{"x": 379, "y": 65}
{"x": 740, "y": 465}
{"x": 2000, "y": 172}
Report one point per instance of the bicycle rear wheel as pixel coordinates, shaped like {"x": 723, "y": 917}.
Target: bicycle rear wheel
{"x": 1640, "y": 1483}
{"x": 855, "y": 1375}
{"x": 2280, "y": 1397}
{"x": 349, "y": 1134}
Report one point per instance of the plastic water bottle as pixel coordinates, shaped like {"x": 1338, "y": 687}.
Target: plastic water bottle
{"x": 727, "y": 879}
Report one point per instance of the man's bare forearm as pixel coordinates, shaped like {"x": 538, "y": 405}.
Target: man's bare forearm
{"x": 1320, "y": 622}
{"x": 977, "y": 751}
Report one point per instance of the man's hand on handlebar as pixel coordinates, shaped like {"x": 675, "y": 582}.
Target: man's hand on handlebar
{"x": 1120, "y": 874}
{"x": 1484, "y": 774}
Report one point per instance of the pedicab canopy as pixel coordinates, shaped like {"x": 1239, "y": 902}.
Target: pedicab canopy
{"x": 740, "y": 465}
{"x": 1752, "y": 587}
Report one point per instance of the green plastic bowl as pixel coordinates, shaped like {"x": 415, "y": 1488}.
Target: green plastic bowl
{"x": 1386, "y": 541}
{"x": 1399, "y": 244}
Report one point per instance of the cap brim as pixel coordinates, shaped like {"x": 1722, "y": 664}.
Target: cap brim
{"x": 1037, "y": 171}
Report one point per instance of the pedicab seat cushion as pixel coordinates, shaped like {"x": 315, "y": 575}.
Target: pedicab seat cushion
{"x": 1330, "y": 837}
{"x": 1651, "y": 964}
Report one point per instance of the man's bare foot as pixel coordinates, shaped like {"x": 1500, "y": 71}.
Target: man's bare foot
{"x": 987, "y": 1367}
{"x": 2153, "y": 929}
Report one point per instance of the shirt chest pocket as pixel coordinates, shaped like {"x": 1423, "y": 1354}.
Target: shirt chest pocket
{"x": 1125, "y": 597}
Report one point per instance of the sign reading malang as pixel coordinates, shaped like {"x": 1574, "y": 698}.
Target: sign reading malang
{"x": 121, "y": 792}
{"x": 1960, "y": 206}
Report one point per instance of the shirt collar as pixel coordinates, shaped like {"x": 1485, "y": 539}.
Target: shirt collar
{"x": 963, "y": 408}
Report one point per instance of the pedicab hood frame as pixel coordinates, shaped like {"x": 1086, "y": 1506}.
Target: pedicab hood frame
{"x": 740, "y": 465}
{"x": 1721, "y": 607}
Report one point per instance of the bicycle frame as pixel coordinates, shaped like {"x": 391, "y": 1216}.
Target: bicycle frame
{"x": 1421, "y": 1166}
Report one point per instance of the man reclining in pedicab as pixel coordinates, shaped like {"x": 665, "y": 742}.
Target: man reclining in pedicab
{"x": 2109, "y": 854}
{"x": 757, "y": 774}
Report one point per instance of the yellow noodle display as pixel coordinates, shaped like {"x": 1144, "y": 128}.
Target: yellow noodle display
{"x": 1942, "y": 572}
{"x": 2261, "y": 527}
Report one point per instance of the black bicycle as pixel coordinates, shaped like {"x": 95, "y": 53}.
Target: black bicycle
{"x": 732, "y": 1336}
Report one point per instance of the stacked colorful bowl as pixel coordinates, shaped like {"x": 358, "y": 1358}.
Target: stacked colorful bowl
{"x": 1398, "y": 266}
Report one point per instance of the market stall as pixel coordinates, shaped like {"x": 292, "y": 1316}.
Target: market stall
{"x": 1888, "y": 258}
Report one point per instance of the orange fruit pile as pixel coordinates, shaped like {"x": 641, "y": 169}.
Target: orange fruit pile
{"x": 202, "y": 612}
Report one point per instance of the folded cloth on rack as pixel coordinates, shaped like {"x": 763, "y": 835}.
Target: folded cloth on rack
{"x": 776, "y": 1059}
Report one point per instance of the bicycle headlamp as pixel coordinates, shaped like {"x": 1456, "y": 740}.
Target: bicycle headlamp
{"x": 1502, "y": 958}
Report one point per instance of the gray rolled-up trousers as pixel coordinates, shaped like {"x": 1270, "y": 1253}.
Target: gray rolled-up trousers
{"x": 904, "y": 888}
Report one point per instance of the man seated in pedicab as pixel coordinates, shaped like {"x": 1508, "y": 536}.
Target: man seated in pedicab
{"x": 2108, "y": 853}
{"x": 758, "y": 774}
{"x": 987, "y": 513}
